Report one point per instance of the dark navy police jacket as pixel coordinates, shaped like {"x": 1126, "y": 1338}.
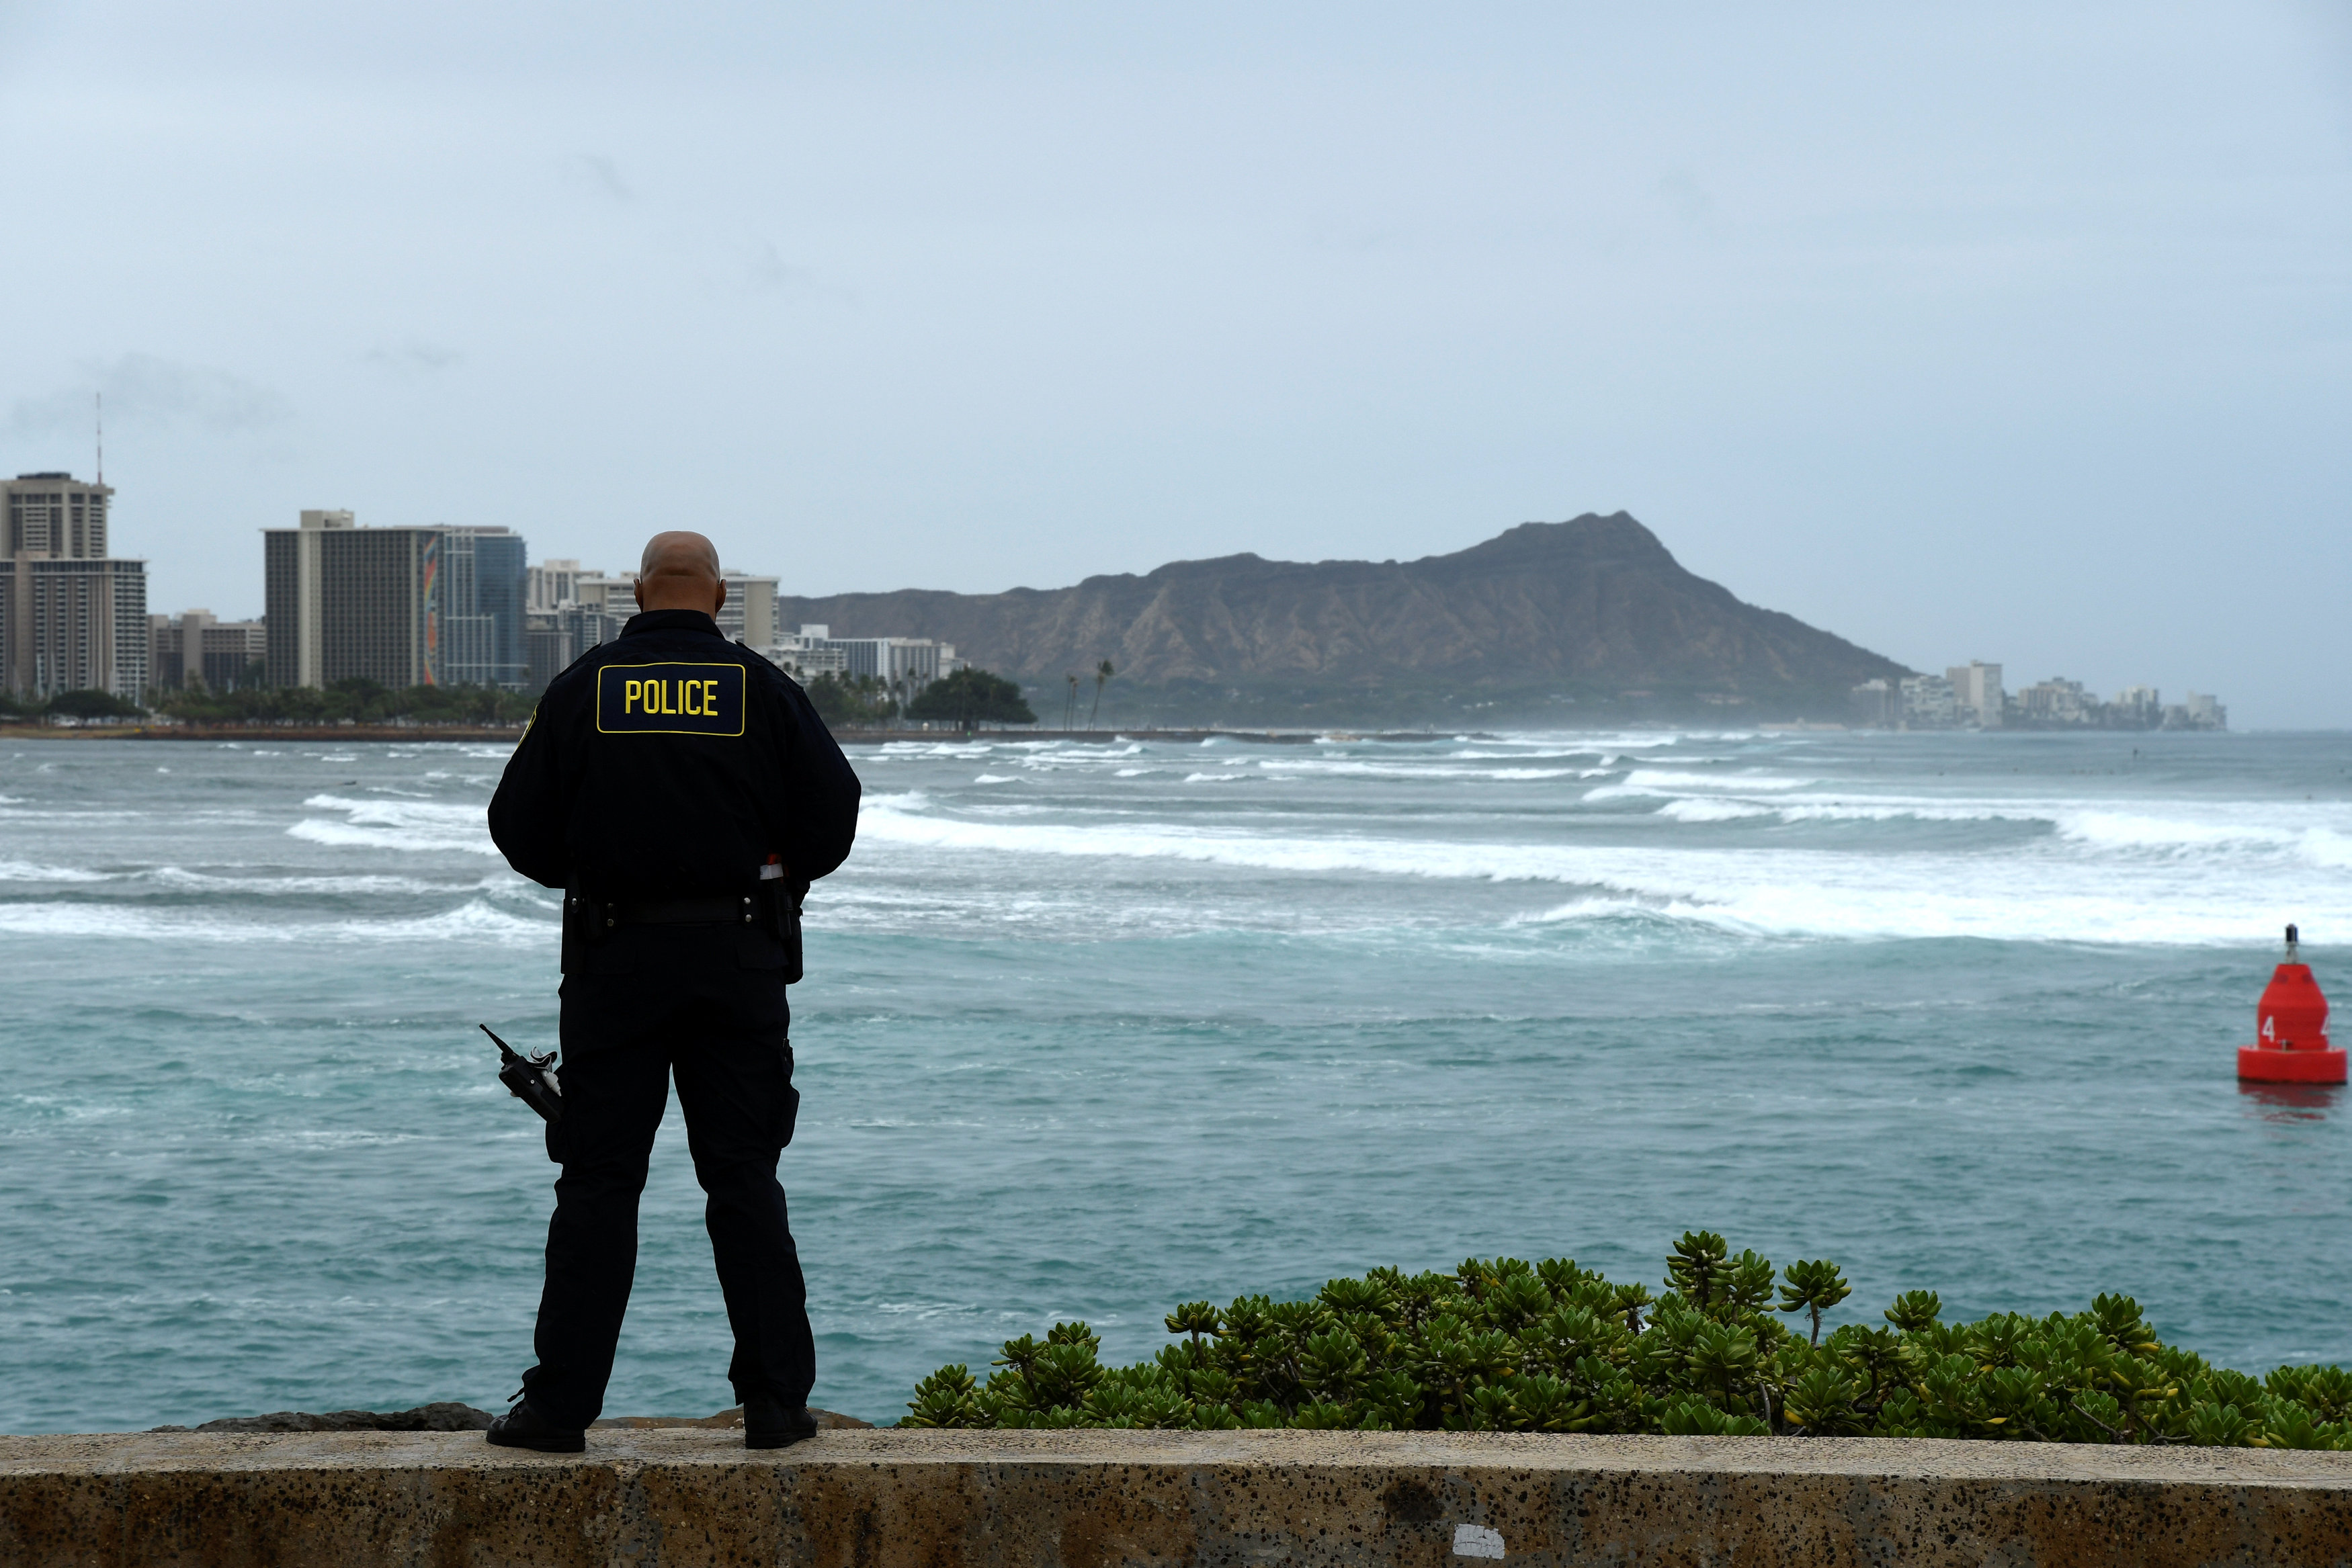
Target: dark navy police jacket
{"x": 671, "y": 763}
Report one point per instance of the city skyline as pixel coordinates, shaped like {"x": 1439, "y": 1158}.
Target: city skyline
{"x": 733, "y": 618}
{"x": 548, "y": 614}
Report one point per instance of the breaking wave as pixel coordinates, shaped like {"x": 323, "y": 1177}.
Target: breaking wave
{"x": 396, "y": 825}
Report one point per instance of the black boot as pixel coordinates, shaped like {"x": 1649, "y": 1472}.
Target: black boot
{"x": 769, "y": 1424}
{"x": 524, "y": 1428}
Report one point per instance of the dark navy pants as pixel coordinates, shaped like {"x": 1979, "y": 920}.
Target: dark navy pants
{"x": 662, "y": 1003}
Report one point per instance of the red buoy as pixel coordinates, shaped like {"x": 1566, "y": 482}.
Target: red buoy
{"x": 2292, "y": 1021}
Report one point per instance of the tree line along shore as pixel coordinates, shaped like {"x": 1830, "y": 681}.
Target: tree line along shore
{"x": 966, "y": 700}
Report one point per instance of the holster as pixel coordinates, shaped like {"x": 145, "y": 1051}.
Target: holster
{"x": 587, "y": 921}
{"x": 780, "y": 910}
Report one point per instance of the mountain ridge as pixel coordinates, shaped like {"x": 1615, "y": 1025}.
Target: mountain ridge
{"x": 1594, "y": 610}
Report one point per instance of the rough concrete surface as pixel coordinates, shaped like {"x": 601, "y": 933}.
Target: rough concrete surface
{"x": 1236, "y": 1500}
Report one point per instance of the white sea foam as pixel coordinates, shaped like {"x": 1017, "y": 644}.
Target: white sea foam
{"x": 348, "y": 835}
{"x": 1667, "y": 782}
{"x": 1357, "y": 767}
{"x": 407, "y": 825}
{"x": 1930, "y": 906}
{"x": 475, "y": 921}
{"x": 26, "y": 870}
{"x": 996, "y": 778}
{"x": 2321, "y": 845}
{"x": 2236, "y": 830}
{"x": 935, "y": 748}
{"x": 1714, "y": 810}
{"x": 1530, "y": 754}
{"x": 2057, "y": 894}
{"x": 1854, "y": 810}
{"x": 209, "y": 881}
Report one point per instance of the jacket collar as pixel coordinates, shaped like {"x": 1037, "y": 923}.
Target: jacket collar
{"x": 670, "y": 620}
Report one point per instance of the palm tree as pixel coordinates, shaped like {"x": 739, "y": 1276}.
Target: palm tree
{"x": 1103, "y": 671}
{"x": 1070, "y": 705}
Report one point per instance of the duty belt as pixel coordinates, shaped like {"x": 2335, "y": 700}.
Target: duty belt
{"x": 713, "y": 911}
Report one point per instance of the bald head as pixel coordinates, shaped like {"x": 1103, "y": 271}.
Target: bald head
{"x": 680, "y": 570}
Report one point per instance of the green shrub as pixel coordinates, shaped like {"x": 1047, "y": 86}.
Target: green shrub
{"x": 971, "y": 698}
{"x": 1504, "y": 1345}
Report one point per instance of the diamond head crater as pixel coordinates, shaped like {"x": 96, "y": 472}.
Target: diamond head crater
{"x": 1589, "y": 621}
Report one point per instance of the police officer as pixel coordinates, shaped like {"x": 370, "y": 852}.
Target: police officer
{"x": 683, "y": 794}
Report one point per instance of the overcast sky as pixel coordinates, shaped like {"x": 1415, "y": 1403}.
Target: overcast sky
{"x": 2019, "y": 334}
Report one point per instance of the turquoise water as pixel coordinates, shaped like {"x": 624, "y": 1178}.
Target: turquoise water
{"x": 1090, "y": 1031}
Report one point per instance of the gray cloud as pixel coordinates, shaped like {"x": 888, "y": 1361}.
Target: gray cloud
{"x": 143, "y": 388}
{"x": 413, "y": 357}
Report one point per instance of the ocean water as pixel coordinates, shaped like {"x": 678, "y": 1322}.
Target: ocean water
{"x": 1093, "y": 1029}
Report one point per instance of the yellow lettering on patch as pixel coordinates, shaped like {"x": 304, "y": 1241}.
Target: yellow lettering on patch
{"x": 702, "y": 699}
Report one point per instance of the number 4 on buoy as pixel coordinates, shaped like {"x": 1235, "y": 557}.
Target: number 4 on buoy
{"x": 2292, "y": 1045}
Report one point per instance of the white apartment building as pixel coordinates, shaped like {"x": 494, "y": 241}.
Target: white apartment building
{"x": 2057, "y": 700}
{"x": 1976, "y": 692}
{"x": 72, "y": 618}
{"x": 807, "y": 654}
{"x": 1928, "y": 703}
{"x": 901, "y": 662}
{"x": 551, "y": 585}
{"x": 2141, "y": 704}
{"x": 1878, "y": 702}
{"x": 2205, "y": 711}
{"x": 749, "y": 616}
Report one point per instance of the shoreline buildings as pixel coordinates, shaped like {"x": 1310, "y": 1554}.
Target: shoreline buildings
{"x": 463, "y": 605}
{"x": 570, "y": 611}
{"x": 72, "y": 617}
{"x": 896, "y": 661}
{"x": 1970, "y": 696}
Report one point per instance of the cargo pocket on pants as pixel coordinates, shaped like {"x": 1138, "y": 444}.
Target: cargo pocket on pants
{"x": 787, "y": 1107}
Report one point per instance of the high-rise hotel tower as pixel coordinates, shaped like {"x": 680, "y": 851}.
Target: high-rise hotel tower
{"x": 400, "y": 606}
{"x": 72, "y": 618}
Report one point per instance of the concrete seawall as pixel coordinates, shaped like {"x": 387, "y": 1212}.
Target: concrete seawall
{"x": 1083, "y": 1499}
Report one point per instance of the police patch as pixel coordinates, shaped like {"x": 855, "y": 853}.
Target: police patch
{"x": 670, "y": 699}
